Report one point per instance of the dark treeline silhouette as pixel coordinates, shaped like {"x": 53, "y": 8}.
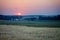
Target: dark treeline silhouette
{"x": 57, "y": 17}
{"x": 31, "y": 17}
{"x": 4, "y": 17}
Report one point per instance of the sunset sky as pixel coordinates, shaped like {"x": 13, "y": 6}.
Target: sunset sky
{"x": 29, "y": 7}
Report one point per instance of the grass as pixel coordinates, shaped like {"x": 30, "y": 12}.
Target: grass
{"x": 42, "y": 23}
{"x": 13, "y": 32}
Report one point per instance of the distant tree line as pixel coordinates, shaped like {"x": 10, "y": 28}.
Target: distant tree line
{"x": 49, "y": 17}
{"x": 4, "y": 17}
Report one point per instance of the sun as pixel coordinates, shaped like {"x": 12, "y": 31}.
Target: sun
{"x": 19, "y": 13}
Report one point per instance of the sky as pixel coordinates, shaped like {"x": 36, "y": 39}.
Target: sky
{"x": 30, "y": 7}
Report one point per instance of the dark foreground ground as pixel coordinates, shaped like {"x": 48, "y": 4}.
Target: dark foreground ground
{"x": 10, "y": 32}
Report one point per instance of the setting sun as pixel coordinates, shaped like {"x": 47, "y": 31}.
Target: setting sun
{"x": 19, "y": 13}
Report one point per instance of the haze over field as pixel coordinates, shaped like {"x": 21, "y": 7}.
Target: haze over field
{"x": 29, "y": 7}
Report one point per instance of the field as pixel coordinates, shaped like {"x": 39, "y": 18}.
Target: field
{"x": 10, "y": 32}
{"x": 42, "y": 23}
{"x": 29, "y": 30}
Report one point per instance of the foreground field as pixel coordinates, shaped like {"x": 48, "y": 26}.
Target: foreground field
{"x": 10, "y": 32}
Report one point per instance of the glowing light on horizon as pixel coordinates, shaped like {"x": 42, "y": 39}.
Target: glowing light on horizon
{"x": 19, "y": 13}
